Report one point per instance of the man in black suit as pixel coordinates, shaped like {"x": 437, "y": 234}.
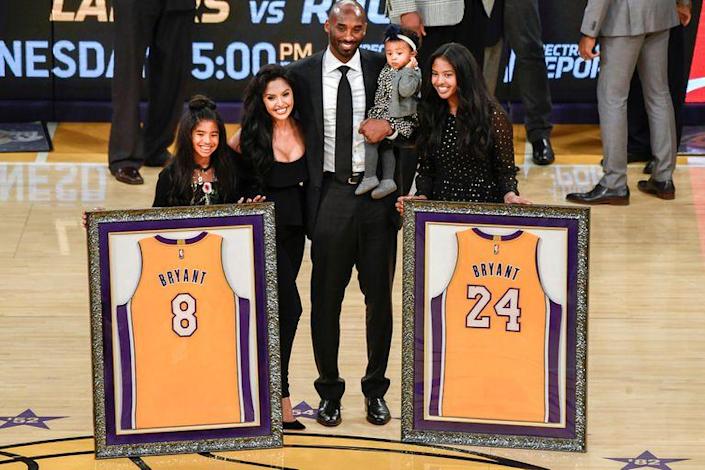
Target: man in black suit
{"x": 335, "y": 88}
{"x": 165, "y": 27}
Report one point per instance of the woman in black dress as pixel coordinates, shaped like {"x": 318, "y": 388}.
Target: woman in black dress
{"x": 465, "y": 142}
{"x": 272, "y": 147}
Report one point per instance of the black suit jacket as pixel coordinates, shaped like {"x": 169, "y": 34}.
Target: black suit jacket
{"x": 308, "y": 77}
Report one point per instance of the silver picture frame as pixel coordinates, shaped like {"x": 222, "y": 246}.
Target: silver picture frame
{"x": 248, "y": 228}
{"x": 426, "y": 418}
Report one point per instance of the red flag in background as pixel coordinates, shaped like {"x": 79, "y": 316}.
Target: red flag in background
{"x": 696, "y": 83}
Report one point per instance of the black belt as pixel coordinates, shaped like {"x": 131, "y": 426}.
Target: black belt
{"x": 354, "y": 179}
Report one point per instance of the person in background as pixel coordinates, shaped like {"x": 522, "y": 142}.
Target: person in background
{"x": 522, "y": 33}
{"x": 633, "y": 35}
{"x": 165, "y": 28}
{"x": 480, "y": 26}
{"x": 639, "y": 141}
{"x": 273, "y": 159}
{"x": 465, "y": 142}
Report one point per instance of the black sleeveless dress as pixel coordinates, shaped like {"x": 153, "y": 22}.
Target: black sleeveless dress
{"x": 285, "y": 188}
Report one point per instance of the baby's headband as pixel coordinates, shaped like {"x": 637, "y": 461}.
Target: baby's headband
{"x": 406, "y": 39}
{"x": 395, "y": 33}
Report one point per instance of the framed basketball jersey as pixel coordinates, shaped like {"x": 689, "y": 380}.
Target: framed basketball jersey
{"x": 183, "y": 314}
{"x": 184, "y": 355}
{"x": 495, "y": 302}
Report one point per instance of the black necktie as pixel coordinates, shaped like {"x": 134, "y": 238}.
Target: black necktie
{"x": 343, "y": 128}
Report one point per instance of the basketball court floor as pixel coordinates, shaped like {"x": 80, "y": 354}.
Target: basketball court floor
{"x": 646, "y": 355}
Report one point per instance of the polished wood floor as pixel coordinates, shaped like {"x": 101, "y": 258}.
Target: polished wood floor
{"x": 646, "y": 321}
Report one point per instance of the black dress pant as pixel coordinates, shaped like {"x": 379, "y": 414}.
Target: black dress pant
{"x": 142, "y": 24}
{"x": 407, "y": 162}
{"x": 290, "y": 251}
{"x": 522, "y": 31}
{"x": 639, "y": 142}
{"x": 352, "y": 231}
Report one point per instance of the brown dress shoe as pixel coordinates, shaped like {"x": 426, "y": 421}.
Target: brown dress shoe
{"x": 601, "y": 195}
{"x": 660, "y": 189}
{"x": 128, "y": 175}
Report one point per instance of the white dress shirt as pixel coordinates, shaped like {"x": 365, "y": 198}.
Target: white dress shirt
{"x": 331, "y": 79}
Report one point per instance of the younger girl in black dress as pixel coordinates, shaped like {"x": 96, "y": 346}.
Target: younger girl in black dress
{"x": 272, "y": 147}
{"x": 465, "y": 143}
{"x": 202, "y": 171}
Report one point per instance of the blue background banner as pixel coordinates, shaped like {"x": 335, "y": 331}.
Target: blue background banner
{"x": 60, "y": 51}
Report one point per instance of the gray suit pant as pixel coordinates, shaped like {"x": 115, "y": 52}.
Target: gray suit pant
{"x": 619, "y": 56}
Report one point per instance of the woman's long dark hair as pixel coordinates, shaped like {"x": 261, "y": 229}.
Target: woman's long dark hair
{"x": 257, "y": 127}
{"x": 200, "y": 108}
{"x": 474, "y": 105}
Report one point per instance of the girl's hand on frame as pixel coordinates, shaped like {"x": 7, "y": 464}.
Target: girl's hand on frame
{"x": 83, "y": 216}
{"x": 258, "y": 198}
{"x": 512, "y": 198}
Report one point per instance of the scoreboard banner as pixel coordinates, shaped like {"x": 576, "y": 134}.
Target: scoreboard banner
{"x": 184, "y": 330}
{"x": 62, "y": 50}
{"x": 494, "y": 347}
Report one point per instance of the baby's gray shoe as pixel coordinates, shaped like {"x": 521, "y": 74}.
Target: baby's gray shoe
{"x": 368, "y": 183}
{"x": 385, "y": 188}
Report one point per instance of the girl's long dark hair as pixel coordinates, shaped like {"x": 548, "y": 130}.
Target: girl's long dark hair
{"x": 257, "y": 126}
{"x": 200, "y": 108}
{"x": 474, "y": 105}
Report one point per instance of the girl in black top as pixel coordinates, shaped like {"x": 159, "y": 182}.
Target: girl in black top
{"x": 273, "y": 161}
{"x": 465, "y": 146}
{"x": 202, "y": 172}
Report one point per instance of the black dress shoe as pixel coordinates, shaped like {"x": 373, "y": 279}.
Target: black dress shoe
{"x": 601, "y": 195}
{"x": 329, "y": 413}
{"x": 660, "y": 189}
{"x": 649, "y": 168}
{"x": 377, "y": 411}
{"x": 295, "y": 425}
{"x": 542, "y": 152}
{"x": 128, "y": 175}
{"x": 159, "y": 159}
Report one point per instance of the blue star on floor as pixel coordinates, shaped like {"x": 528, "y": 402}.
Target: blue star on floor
{"x": 27, "y": 418}
{"x": 645, "y": 460}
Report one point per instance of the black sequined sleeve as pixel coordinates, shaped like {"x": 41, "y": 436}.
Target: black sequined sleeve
{"x": 503, "y": 140}
{"x": 426, "y": 175}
